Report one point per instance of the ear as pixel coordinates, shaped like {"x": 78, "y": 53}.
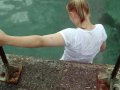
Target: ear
{"x": 73, "y": 14}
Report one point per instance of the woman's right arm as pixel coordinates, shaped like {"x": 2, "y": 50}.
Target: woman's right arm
{"x": 32, "y": 41}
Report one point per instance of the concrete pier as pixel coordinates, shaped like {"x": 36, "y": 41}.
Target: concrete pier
{"x": 38, "y": 74}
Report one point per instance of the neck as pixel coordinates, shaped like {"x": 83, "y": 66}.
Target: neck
{"x": 86, "y": 24}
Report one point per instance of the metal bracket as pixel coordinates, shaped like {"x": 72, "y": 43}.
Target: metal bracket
{"x": 9, "y": 73}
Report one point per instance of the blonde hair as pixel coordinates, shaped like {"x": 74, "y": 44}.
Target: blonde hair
{"x": 80, "y": 6}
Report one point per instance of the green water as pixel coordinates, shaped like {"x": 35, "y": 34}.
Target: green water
{"x": 28, "y": 17}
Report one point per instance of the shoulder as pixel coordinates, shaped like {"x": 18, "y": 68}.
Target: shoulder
{"x": 68, "y": 31}
{"x": 100, "y": 26}
{"x": 68, "y": 35}
{"x": 103, "y": 31}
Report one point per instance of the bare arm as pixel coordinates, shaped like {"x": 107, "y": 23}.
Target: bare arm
{"x": 33, "y": 41}
{"x": 103, "y": 46}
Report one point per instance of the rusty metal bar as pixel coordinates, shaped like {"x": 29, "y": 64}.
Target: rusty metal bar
{"x": 116, "y": 68}
{"x": 3, "y": 57}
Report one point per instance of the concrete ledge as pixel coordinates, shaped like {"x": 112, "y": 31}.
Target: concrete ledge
{"x": 38, "y": 74}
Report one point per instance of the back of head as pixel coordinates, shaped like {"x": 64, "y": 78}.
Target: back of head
{"x": 80, "y": 6}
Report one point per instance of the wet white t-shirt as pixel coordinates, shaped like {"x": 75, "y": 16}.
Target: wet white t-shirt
{"x": 82, "y": 45}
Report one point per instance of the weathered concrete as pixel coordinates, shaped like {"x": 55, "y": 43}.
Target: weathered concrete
{"x": 38, "y": 74}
